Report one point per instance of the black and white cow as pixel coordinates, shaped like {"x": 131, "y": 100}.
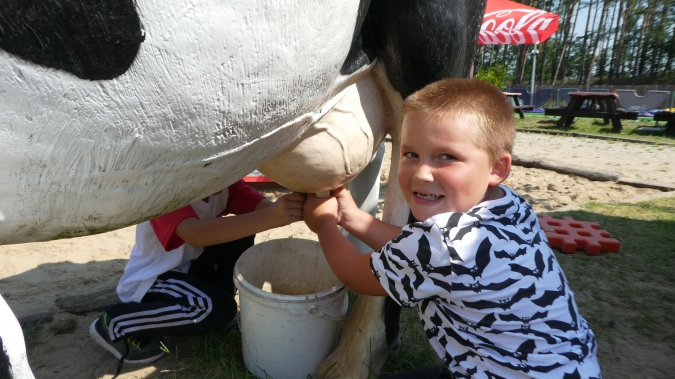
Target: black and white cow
{"x": 115, "y": 111}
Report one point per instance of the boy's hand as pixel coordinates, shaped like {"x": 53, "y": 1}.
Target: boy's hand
{"x": 287, "y": 209}
{"x": 320, "y": 211}
{"x": 346, "y": 204}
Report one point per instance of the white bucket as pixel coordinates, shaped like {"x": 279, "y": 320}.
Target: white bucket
{"x": 288, "y": 332}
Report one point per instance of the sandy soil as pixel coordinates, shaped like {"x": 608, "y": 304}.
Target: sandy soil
{"x": 632, "y": 160}
{"x": 32, "y": 275}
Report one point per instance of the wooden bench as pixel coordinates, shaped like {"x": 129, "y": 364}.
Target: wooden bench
{"x": 624, "y": 115}
{"x": 669, "y": 117}
{"x": 520, "y": 108}
{"x": 517, "y": 108}
{"x": 597, "y": 105}
{"x": 558, "y": 111}
{"x": 628, "y": 115}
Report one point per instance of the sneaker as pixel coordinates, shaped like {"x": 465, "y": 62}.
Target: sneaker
{"x": 132, "y": 350}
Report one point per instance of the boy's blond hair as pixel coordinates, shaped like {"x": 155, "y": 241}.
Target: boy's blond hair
{"x": 474, "y": 101}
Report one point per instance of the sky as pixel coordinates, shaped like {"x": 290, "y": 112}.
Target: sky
{"x": 583, "y": 17}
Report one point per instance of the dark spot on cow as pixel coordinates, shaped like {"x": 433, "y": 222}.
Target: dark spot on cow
{"x": 92, "y": 39}
{"x": 5, "y": 364}
{"x": 423, "y": 41}
{"x": 362, "y": 51}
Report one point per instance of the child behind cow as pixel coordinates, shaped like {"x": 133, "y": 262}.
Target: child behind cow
{"x": 178, "y": 279}
{"x": 492, "y": 298}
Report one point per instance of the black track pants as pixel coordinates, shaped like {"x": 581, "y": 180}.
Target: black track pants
{"x": 201, "y": 301}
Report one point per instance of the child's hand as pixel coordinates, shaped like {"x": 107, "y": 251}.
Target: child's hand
{"x": 286, "y": 210}
{"x": 319, "y": 211}
{"x": 346, "y": 203}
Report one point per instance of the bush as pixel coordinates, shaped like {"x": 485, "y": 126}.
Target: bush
{"x": 495, "y": 75}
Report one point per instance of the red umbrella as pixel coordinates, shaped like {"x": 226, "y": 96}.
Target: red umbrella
{"x": 510, "y": 23}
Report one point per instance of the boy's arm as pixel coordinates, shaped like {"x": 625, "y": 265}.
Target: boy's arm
{"x": 362, "y": 225}
{"x": 268, "y": 215}
{"x": 350, "y": 266}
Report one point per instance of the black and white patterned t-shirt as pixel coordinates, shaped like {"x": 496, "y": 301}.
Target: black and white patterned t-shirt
{"x": 492, "y": 298}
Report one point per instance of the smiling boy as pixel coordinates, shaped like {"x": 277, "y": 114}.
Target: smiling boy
{"x": 490, "y": 293}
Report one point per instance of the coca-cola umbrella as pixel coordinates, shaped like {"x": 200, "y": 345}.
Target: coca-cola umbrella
{"x": 510, "y": 23}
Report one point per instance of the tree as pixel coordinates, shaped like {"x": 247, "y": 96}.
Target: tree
{"x": 605, "y": 49}
{"x": 605, "y": 9}
{"x": 660, "y": 36}
{"x": 615, "y": 45}
{"x": 640, "y": 42}
{"x": 568, "y": 10}
{"x": 628, "y": 7}
{"x": 583, "y": 48}
{"x": 566, "y": 53}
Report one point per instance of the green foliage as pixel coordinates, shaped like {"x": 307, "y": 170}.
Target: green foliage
{"x": 495, "y": 75}
{"x": 217, "y": 355}
{"x": 415, "y": 350}
{"x": 661, "y": 78}
{"x": 30, "y": 333}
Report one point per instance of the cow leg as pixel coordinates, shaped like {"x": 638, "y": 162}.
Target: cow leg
{"x": 365, "y": 190}
{"x": 13, "y": 361}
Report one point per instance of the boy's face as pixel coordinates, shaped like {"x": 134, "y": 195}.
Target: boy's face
{"x": 441, "y": 168}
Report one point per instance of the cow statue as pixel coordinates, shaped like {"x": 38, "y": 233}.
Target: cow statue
{"x": 116, "y": 111}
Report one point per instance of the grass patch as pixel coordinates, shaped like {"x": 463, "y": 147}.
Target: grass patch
{"x": 217, "y": 355}
{"x": 631, "y": 129}
{"x": 415, "y": 350}
{"x": 66, "y": 326}
{"x": 634, "y": 288}
{"x": 30, "y": 333}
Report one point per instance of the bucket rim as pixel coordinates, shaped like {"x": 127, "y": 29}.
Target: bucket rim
{"x": 312, "y": 297}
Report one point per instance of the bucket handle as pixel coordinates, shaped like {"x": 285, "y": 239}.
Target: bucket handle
{"x": 315, "y": 311}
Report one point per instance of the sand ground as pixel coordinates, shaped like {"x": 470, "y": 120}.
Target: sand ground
{"x": 32, "y": 275}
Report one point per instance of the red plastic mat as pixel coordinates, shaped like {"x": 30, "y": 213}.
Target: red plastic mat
{"x": 571, "y": 235}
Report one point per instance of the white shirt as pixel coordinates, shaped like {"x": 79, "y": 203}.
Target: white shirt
{"x": 490, "y": 293}
{"x": 148, "y": 258}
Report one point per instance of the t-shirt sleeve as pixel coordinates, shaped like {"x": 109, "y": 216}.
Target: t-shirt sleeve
{"x": 415, "y": 265}
{"x": 242, "y": 198}
{"x": 165, "y": 227}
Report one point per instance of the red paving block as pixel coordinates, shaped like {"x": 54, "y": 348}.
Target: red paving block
{"x": 570, "y": 235}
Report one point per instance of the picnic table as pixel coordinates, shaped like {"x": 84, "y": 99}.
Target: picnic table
{"x": 592, "y": 105}
{"x": 669, "y": 117}
{"x": 517, "y": 107}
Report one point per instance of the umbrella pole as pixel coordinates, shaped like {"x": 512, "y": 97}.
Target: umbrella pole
{"x": 534, "y": 68}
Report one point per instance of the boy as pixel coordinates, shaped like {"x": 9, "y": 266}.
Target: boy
{"x": 179, "y": 276}
{"x": 489, "y": 291}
